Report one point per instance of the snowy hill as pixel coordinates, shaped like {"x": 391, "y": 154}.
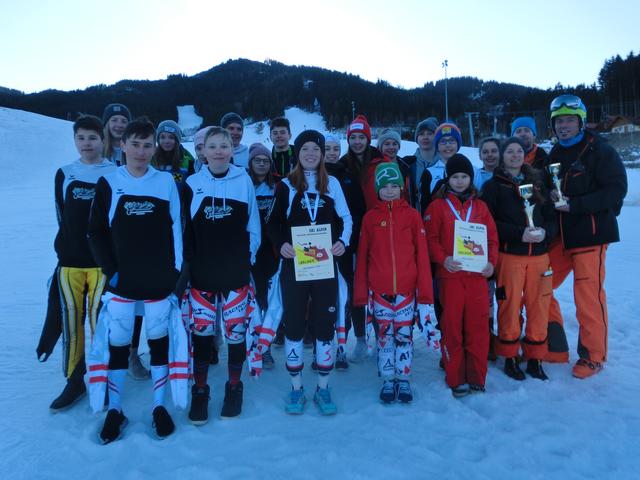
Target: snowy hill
{"x": 564, "y": 428}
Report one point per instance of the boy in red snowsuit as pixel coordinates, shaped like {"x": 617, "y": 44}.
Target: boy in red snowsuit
{"x": 465, "y": 337}
{"x": 393, "y": 263}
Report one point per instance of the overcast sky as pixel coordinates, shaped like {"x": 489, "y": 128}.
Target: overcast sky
{"x": 73, "y": 44}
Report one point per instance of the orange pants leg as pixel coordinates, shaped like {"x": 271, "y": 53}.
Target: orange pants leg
{"x": 537, "y": 296}
{"x": 591, "y": 301}
{"x": 509, "y": 286}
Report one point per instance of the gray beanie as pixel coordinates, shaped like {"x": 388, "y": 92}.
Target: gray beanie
{"x": 430, "y": 124}
{"x": 258, "y": 149}
{"x": 388, "y": 134}
{"x": 115, "y": 109}
{"x": 229, "y": 118}
{"x": 169, "y": 126}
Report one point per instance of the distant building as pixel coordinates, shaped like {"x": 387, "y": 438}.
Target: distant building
{"x": 619, "y": 124}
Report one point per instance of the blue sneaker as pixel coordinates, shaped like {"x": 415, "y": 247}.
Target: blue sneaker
{"x": 294, "y": 405}
{"x": 322, "y": 398}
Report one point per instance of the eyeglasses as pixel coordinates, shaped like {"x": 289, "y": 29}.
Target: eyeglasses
{"x": 447, "y": 141}
{"x": 566, "y": 100}
{"x": 261, "y": 161}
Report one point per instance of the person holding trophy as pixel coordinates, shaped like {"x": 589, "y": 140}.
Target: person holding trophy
{"x": 526, "y": 222}
{"x": 590, "y": 185}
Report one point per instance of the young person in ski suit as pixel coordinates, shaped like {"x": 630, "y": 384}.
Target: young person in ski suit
{"x": 447, "y": 140}
{"x": 135, "y": 235}
{"x": 425, "y": 155}
{"x": 80, "y": 280}
{"x": 489, "y": 152}
{"x": 234, "y": 124}
{"x": 389, "y": 143}
{"x": 308, "y": 196}
{"x": 355, "y": 201}
{"x": 523, "y": 271}
{"x": 393, "y": 264}
{"x": 594, "y": 184}
{"x": 360, "y": 163}
{"x": 263, "y": 178}
{"x": 198, "y": 145}
{"x": 465, "y": 339}
{"x": 170, "y": 155}
{"x": 221, "y": 239}
{"x": 282, "y": 153}
{"x": 115, "y": 119}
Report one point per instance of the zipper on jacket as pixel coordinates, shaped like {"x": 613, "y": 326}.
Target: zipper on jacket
{"x": 393, "y": 253}
{"x": 593, "y": 224}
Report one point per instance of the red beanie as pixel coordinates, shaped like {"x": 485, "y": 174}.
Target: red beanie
{"x": 360, "y": 125}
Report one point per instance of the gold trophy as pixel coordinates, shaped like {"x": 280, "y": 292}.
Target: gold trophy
{"x": 526, "y": 192}
{"x": 554, "y": 170}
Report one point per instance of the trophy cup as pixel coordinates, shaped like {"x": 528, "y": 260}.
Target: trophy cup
{"x": 526, "y": 192}
{"x": 554, "y": 170}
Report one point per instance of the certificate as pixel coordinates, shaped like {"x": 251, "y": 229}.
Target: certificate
{"x": 470, "y": 246}
{"x": 313, "y": 260}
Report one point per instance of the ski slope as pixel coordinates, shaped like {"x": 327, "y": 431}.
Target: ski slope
{"x": 564, "y": 428}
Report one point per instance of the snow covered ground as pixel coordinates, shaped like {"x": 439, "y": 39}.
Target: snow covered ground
{"x": 565, "y": 428}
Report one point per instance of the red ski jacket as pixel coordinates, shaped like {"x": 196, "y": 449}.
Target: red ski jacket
{"x": 439, "y": 222}
{"x": 392, "y": 254}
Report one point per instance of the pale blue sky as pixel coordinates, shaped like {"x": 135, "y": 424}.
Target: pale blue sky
{"x": 73, "y": 44}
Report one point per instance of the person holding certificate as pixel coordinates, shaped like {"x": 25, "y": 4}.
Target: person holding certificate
{"x": 309, "y": 224}
{"x": 463, "y": 244}
{"x": 523, "y": 273}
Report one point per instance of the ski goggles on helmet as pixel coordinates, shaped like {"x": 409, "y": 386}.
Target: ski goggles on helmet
{"x": 568, "y": 104}
{"x": 566, "y": 100}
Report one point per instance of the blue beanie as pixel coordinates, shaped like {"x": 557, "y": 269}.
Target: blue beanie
{"x": 528, "y": 122}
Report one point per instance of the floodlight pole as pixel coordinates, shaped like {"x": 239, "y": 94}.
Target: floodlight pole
{"x": 445, "y": 64}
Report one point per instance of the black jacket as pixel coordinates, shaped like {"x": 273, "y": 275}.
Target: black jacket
{"x": 594, "y": 178}
{"x": 135, "y": 231}
{"x": 502, "y": 196}
{"x": 354, "y": 197}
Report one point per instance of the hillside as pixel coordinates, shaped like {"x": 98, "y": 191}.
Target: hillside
{"x": 263, "y": 90}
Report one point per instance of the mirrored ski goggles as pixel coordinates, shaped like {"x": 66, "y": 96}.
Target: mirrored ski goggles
{"x": 570, "y": 101}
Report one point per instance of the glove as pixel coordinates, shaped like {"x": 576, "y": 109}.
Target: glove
{"x": 113, "y": 281}
{"x": 426, "y": 324}
{"x": 254, "y": 360}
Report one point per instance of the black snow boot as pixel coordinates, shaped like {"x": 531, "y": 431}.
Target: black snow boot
{"x": 113, "y": 426}
{"x": 232, "y": 404}
{"x": 534, "y": 368}
{"x": 512, "y": 369}
{"x": 73, "y": 391}
{"x": 199, "y": 411}
{"x": 162, "y": 422}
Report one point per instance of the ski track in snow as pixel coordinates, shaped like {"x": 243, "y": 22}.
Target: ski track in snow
{"x": 564, "y": 428}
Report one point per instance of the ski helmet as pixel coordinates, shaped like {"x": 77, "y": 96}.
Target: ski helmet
{"x": 568, "y": 104}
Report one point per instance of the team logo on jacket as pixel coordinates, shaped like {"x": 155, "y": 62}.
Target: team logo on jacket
{"x": 303, "y": 203}
{"x": 82, "y": 193}
{"x": 264, "y": 203}
{"x": 217, "y": 213}
{"x": 139, "y": 208}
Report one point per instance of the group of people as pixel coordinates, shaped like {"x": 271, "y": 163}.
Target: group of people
{"x": 228, "y": 238}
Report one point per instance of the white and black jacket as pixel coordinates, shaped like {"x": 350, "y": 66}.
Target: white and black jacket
{"x": 135, "y": 231}
{"x": 222, "y": 229}
{"x": 75, "y": 187}
{"x": 290, "y": 210}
